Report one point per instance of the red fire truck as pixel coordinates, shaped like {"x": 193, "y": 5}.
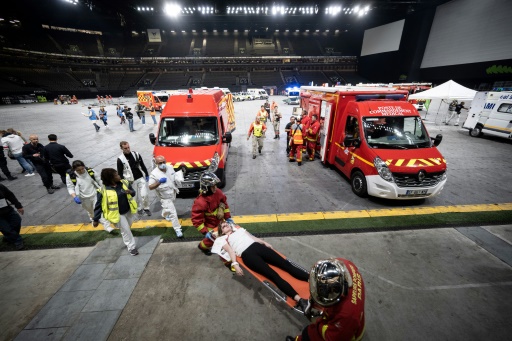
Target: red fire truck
{"x": 377, "y": 140}
{"x": 195, "y": 128}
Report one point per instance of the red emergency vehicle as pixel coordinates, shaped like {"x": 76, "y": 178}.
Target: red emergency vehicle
{"x": 195, "y": 128}
{"x": 377, "y": 140}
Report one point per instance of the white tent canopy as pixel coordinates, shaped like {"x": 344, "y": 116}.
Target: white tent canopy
{"x": 449, "y": 90}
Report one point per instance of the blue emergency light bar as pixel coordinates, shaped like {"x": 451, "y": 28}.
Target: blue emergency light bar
{"x": 394, "y": 97}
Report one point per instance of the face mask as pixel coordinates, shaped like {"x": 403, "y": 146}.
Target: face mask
{"x": 161, "y": 167}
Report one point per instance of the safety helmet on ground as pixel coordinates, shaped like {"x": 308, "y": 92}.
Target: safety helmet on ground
{"x": 207, "y": 180}
{"x": 327, "y": 282}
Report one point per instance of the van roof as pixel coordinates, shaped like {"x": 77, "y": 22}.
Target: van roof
{"x": 203, "y": 102}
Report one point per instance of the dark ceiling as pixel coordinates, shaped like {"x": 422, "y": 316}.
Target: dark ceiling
{"x": 123, "y": 15}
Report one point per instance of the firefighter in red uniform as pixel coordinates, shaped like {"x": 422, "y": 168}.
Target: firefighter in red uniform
{"x": 209, "y": 209}
{"x": 296, "y": 142}
{"x": 337, "y": 286}
{"x": 312, "y": 136}
{"x": 306, "y": 122}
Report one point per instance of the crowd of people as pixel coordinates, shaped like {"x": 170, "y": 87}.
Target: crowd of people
{"x": 302, "y": 132}
{"x": 115, "y": 197}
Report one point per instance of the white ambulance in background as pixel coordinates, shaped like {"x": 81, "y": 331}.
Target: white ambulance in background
{"x": 490, "y": 113}
{"x": 258, "y": 93}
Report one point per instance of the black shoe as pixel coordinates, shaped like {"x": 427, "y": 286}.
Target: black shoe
{"x": 134, "y": 252}
{"x": 290, "y": 338}
{"x": 304, "y": 306}
{"x": 291, "y": 160}
{"x": 148, "y": 212}
{"x": 140, "y": 213}
{"x": 19, "y": 246}
{"x": 50, "y": 190}
{"x": 254, "y": 156}
{"x": 259, "y": 150}
{"x": 206, "y": 252}
{"x": 300, "y": 163}
{"x": 55, "y": 187}
{"x": 2, "y": 179}
{"x": 10, "y": 177}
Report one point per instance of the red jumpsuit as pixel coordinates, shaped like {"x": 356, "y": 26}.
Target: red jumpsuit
{"x": 305, "y": 121}
{"x": 204, "y": 215}
{"x": 345, "y": 320}
{"x": 295, "y": 149}
{"x": 311, "y": 137}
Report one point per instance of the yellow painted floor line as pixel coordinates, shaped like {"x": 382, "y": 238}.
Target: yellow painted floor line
{"x": 273, "y": 218}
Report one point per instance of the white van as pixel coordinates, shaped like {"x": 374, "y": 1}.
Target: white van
{"x": 258, "y": 93}
{"x": 490, "y": 113}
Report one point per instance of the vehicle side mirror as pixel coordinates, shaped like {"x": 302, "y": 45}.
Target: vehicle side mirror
{"x": 227, "y": 137}
{"x": 437, "y": 140}
{"x": 350, "y": 141}
{"x": 152, "y": 138}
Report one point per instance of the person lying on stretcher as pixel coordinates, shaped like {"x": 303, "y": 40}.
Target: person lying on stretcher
{"x": 257, "y": 255}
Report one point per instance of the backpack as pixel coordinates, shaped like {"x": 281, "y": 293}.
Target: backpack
{"x": 72, "y": 175}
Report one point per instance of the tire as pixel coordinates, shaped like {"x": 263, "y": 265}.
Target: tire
{"x": 476, "y": 132}
{"x": 222, "y": 177}
{"x": 358, "y": 184}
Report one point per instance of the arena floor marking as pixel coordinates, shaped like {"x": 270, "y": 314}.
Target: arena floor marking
{"x": 275, "y": 218}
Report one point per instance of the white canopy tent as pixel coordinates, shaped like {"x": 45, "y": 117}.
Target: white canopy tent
{"x": 445, "y": 93}
{"x": 449, "y": 90}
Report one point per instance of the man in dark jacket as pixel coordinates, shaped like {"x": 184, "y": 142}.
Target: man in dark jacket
{"x": 3, "y": 167}
{"x": 10, "y": 220}
{"x": 34, "y": 151}
{"x": 57, "y": 155}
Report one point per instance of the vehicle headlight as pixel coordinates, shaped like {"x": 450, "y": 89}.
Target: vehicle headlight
{"x": 443, "y": 177}
{"x": 214, "y": 162}
{"x": 383, "y": 169}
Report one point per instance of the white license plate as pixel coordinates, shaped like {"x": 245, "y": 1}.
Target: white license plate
{"x": 416, "y": 192}
{"x": 187, "y": 185}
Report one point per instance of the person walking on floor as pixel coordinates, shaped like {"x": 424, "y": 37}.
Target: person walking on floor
{"x": 163, "y": 181}
{"x": 58, "y": 155}
{"x": 4, "y": 168}
{"x": 115, "y": 201}
{"x": 10, "y": 220}
{"x": 82, "y": 183}
{"x": 152, "y": 112}
{"x": 257, "y": 129}
{"x": 141, "y": 112}
{"x": 14, "y": 144}
{"x": 129, "y": 116}
{"x": 120, "y": 114}
{"x": 131, "y": 168}
{"x": 103, "y": 116}
{"x": 34, "y": 151}
{"x": 276, "y": 120}
{"x": 91, "y": 114}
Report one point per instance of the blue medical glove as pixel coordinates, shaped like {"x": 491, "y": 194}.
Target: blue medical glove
{"x": 209, "y": 235}
{"x": 77, "y": 200}
{"x": 230, "y": 221}
{"x": 163, "y": 180}
{"x": 147, "y": 178}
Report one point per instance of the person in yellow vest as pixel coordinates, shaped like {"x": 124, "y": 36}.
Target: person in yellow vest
{"x": 296, "y": 142}
{"x": 263, "y": 114}
{"x": 152, "y": 112}
{"x": 115, "y": 199}
{"x": 257, "y": 130}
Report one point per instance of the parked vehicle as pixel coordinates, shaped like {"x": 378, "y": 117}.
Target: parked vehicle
{"x": 258, "y": 93}
{"x": 158, "y": 99}
{"x": 193, "y": 129}
{"x": 292, "y": 96}
{"x": 377, "y": 140}
{"x": 238, "y": 97}
{"x": 490, "y": 113}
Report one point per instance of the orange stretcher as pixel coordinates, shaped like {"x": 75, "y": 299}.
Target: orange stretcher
{"x": 301, "y": 287}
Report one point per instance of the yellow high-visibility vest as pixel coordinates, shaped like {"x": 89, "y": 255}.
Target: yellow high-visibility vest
{"x": 258, "y": 129}
{"x": 110, "y": 205}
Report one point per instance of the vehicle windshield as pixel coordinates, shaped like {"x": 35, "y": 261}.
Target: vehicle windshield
{"x": 397, "y": 132}
{"x": 188, "y": 131}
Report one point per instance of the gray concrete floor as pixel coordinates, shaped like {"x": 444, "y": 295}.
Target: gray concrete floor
{"x": 421, "y": 285}
{"x": 478, "y": 169}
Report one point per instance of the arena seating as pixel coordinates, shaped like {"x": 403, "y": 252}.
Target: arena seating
{"x": 220, "y": 79}
{"x": 171, "y": 81}
{"x": 317, "y": 77}
{"x": 219, "y": 46}
{"x": 262, "y": 78}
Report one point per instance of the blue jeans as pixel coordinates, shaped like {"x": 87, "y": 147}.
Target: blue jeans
{"x": 10, "y": 225}
{"x": 130, "y": 124}
{"x": 143, "y": 118}
{"x": 154, "y": 119}
{"x": 23, "y": 163}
